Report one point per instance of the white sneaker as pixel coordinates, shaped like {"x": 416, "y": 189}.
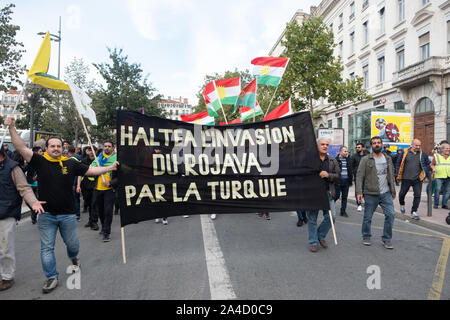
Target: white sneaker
{"x": 415, "y": 216}
{"x": 359, "y": 208}
{"x": 164, "y": 221}
{"x": 186, "y": 216}
{"x": 213, "y": 216}
{"x": 157, "y": 220}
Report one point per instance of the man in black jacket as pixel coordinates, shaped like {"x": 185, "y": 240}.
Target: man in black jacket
{"x": 354, "y": 162}
{"x": 346, "y": 179}
{"x": 329, "y": 171}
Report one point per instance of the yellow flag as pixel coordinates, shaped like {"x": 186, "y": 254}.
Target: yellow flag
{"x": 38, "y": 71}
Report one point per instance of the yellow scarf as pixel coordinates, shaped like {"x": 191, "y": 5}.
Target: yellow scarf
{"x": 60, "y": 159}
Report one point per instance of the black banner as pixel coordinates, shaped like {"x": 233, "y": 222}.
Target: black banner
{"x": 171, "y": 168}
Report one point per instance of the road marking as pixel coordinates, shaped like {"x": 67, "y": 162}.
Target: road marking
{"x": 439, "y": 273}
{"x": 219, "y": 280}
{"x": 397, "y": 230}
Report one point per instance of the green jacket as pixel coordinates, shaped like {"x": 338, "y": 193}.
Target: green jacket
{"x": 367, "y": 176}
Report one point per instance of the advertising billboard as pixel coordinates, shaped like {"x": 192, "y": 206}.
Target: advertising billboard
{"x": 394, "y": 129}
{"x": 336, "y": 138}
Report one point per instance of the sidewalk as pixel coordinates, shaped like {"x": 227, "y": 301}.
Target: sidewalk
{"x": 435, "y": 222}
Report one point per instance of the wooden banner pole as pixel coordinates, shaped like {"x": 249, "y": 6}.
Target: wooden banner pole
{"x": 332, "y": 227}
{"x": 124, "y": 255}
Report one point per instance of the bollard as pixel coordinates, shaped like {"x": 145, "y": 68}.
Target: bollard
{"x": 429, "y": 198}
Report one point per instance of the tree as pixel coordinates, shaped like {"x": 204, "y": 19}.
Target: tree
{"x": 313, "y": 71}
{"x": 125, "y": 88}
{"x": 45, "y": 113}
{"x": 77, "y": 71}
{"x": 10, "y": 52}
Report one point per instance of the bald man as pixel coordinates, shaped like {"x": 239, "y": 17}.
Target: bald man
{"x": 411, "y": 169}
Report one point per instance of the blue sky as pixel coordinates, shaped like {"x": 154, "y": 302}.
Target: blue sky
{"x": 177, "y": 42}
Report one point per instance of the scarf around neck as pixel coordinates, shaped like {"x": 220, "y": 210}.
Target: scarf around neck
{"x": 59, "y": 159}
{"x": 103, "y": 158}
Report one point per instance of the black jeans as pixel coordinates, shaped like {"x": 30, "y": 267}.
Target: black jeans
{"x": 104, "y": 202}
{"x": 342, "y": 187}
{"x": 417, "y": 189}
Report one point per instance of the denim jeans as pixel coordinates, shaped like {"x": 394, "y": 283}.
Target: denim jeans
{"x": 371, "y": 203}
{"x": 444, "y": 185}
{"x": 76, "y": 198}
{"x": 300, "y": 215}
{"x": 342, "y": 187}
{"x": 48, "y": 226}
{"x": 319, "y": 233}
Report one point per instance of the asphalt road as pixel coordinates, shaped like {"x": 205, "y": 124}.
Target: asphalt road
{"x": 240, "y": 256}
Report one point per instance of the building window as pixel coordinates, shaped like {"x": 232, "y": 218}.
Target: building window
{"x": 424, "y": 105}
{"x": 352, "y": 11}
{"x": 399, "y": 106}
{"x": 365, "y": 4}
{"x": 366, "y": 76}
{"x": 352, "y": 42}
{"x": 448, "y": 114}
{"x": 341, "y": 21}
{"x": 330, "y": 124}
{"x": 341, "y": 48}
{"x": 400, "y": 57}
{"x": 401, "y": 10}
{"x": 381, "y": 68}
{"x": 448, "y": 36}
{"x": 424, "y": 2}
{"x": 339, "y": 122}
{"x": 366, "y": 32}
{"x": 352, "y": 76}
{"x": 382, "y": 21}
{"x": 424, "y": 44}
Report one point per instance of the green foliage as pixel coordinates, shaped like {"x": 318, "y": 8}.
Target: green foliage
{"x": 125, "y": 88}
{"x": 45, "y": 112}
{"x": 10, "y": 52}
{"x": 313, "y": 72}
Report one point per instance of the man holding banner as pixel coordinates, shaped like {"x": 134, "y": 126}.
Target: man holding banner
{"x": 56, "y": 175}
{"x": 331, "y": 174}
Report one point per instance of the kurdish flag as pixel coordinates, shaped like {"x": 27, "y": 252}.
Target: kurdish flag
{"x": 38, "y": 71}
{"x": 247, "y": 97}
{"x": 83, "y": 103}
{"x": 247, "y": 112}
{"x": 269, "y": 70}
{"x": 212, "y": 99}
{"x": 281, "y": 111}
{"x": 228, "y": 90}
{"x": 199, "y": 118}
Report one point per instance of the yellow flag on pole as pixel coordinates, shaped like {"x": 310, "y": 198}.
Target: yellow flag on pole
{"x": 38, "y": 71}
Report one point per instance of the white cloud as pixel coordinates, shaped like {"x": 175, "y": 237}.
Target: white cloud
{"x": 74, "y": 17}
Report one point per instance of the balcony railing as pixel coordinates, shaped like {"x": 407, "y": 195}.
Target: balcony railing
{"x": 420, "y": 72}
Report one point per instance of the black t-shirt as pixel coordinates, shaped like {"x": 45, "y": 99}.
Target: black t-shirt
{"x": 55, "y": 183}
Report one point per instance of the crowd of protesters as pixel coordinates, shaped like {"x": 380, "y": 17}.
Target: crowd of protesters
{"x": 57, "y": 173}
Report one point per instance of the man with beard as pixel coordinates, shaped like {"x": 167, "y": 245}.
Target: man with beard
{"x": 376, "y": 175}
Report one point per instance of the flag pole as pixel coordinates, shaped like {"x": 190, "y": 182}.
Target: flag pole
{"x": 124, "y": 255}
{"x": 221, "y": 106}
{"x": 273, "y": 96}
{"x": 332, "y": 227}
{"x": 254, "y": 106}
{"x": 14, "y": 110}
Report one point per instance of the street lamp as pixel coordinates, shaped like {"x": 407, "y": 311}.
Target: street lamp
{"x": 56, "y": 38}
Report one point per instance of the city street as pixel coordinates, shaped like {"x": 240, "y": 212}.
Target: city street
{"x": 240, "y": 256}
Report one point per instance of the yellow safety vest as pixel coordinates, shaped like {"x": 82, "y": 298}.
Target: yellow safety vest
{"x": 442, "y": 167}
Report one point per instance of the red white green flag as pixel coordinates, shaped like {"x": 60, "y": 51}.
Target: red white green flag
{"x": 269, "y": 70}
{"x": 238, "y": 120}
{"x": 228, "y": 90}
{"x": 199, "y": 118}
{"x": 212, "y": 99}
{"x": 281, "y": 111}
{"x": 247, "y": 97}
{"x": 247, "y": 112}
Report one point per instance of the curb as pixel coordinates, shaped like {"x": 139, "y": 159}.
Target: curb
{"x": 404, "y": 217}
